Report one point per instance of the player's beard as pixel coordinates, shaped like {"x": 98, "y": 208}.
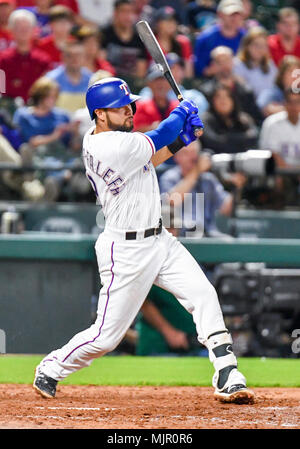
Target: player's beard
{"x": 117, "y": 127}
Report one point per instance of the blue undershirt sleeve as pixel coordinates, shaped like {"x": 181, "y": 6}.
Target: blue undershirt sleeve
{"x": 168, "y": 130}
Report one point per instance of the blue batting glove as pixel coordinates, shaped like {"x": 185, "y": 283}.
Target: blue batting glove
{"x": 187, "y": 135}
{"x": 186, "y": 107}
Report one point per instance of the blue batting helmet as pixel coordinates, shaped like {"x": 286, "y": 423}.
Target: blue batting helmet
{"x": 109, "y": 93}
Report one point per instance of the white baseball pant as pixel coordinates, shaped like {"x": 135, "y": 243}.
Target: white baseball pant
{"x": 128, "y": 269}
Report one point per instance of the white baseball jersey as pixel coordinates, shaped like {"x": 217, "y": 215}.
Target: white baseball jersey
{"x": 123, "y": 178}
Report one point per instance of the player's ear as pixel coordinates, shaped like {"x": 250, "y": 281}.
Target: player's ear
{"x": 99, "y": 115}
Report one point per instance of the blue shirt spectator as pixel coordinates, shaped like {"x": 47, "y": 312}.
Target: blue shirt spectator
{"x": 210, "y": 39}
{"x": 31, "y": 125}
{"x": 72, "y": 78}
{"x": 227, "y": 32}
{"x": 60, "y": 75}
{"x": 9, "y": 131}
{"x": 42, "y": 20}
{"x": 271, "y": 95}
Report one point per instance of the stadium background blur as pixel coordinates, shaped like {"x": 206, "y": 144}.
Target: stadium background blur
{"x": 239, "y": 61}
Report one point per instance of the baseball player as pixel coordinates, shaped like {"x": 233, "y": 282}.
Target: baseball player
{"x": 135, "y": 251}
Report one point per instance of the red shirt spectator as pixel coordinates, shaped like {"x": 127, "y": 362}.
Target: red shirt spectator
{"x": 150, "y": 113}
{"x": 102, "y": 64}
{"x": 72, "y": 4}
{"x": 6, "y": 8}
{"x": 21, "y": 3}
{"x": 61, "y": 21}
{"x": 278, "y": 51}
{"x": 91, "y": 40}
{"x": 287, "y": 40}
{"x": 147, "y": 114}
{"x": 22, "y": 69}
{"x": 22, "y": 64}
{"x": 47, "y": 45}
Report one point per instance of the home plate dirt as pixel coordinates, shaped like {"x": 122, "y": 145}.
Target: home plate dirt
{"x": 96, "y": 407}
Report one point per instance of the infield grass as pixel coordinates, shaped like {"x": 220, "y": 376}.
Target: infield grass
{"x": 133, "y": 370}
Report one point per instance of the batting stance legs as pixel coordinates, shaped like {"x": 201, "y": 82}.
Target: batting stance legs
{"x": 128, "y": 269}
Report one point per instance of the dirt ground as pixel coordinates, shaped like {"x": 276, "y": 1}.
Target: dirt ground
{"x": 96, "y": 407}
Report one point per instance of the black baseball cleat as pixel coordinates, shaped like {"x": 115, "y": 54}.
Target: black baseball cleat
{"x": 237, "y": 394}
{"x": 44, "y": 385}
{"x": 234, "y": 389}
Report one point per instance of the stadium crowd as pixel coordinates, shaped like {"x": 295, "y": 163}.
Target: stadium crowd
{"x": 241, "y": 71}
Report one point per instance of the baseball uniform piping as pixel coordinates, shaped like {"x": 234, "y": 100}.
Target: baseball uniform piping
{"x": 107, "y": 300}
{"x": 150, "y": 141}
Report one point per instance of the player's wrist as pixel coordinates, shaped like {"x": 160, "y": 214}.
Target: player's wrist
{"x": 175, "y": 146}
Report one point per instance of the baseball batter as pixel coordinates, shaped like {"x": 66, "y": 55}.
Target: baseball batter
{"x": 135, "y": 251}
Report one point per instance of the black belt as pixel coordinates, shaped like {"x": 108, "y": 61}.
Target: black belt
{"x": 148, "y": 232}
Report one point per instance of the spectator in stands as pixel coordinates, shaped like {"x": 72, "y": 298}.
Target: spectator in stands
{"x": 71, "y": 4}
{"x": 165, "y": 25}
{"x": 9, "y": 131}
{"x": 287, "y": 39}
{"x": 164, "y": 327}
{"x": 249, "y": 21}
{"x": 177, "y": 5}
{"x": 177, "y": 66}
{"x": 253, "y": 63}
{"x": 223, "y": 63}
{"x": 93, "y": 59}
{"x": 271, "y": 100}
{"x": 51, "y": 138}
{"x": 123, "y": 47}
{"x": 82, "y": 115}
{"x": 21, "y": 184}
{"x": 23, "y": 64}
{"x": 227, "y": 129}
{"x": 143, "y": 10}
{"x": 61, "y": 21}
{"x": 6, "y": 8}
{"x": 191, "y": 175}
{"x": 200, "y": 14}
{"x": 281, "y": 131}
{"x": 72, "y": 77}
{"x": 294, "y": 4}
{"x": 41, "y": 10}
{"x": 227, "y": 32}
{"x": 151, "y": 112}
{"x": 96, "y": 13}
{"x": 21, "y": 3}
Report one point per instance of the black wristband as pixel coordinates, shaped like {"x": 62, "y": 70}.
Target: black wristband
{"x": 176, "y": 145}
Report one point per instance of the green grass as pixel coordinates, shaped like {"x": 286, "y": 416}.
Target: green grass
{"x": 130, "y": 370}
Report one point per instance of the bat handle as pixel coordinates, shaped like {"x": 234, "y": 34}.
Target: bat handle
{"x": 197, "y": 130}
